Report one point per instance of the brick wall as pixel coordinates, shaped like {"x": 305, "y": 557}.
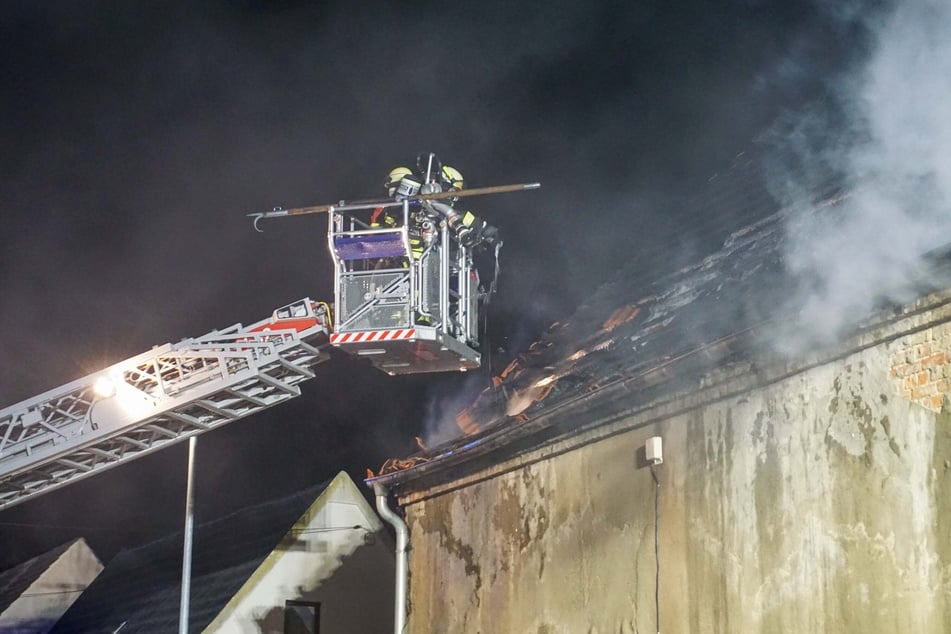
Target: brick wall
{"x": 921, "y": 367}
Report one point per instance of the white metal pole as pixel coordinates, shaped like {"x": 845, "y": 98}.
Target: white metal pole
{"x": 189, "y": 524}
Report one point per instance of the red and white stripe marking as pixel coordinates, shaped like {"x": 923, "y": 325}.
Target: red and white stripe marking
{"x": 372, "y": 335}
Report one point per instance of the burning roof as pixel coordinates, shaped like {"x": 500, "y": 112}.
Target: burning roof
{"x": 612, "y": 336}
{"x": 630, "y": 344}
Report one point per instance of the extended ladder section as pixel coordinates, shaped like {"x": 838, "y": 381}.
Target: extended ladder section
{"x": 406, "y": 295}
{"x": 156, "y": 399}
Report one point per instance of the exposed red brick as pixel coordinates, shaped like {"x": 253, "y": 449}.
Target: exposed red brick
{"x": 939, "y": 358}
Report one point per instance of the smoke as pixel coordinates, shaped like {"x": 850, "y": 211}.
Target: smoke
{"x": 879, "y": 158}
{"x": 444, "y": 403}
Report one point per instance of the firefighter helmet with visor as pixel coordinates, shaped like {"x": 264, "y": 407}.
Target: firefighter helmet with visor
{"x": 396, "y": 175}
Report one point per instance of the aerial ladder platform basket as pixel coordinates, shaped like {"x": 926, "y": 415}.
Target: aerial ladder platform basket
{"x": 407, "y": 297}
{"x": 407, "y": 308}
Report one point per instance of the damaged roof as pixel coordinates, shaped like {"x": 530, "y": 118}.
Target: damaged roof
{"x": 623, "y": 332}
{"x": 632, "y": 326}
{"x": 630, "y": 343}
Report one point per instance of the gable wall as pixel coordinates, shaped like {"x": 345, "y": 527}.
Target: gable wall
{"x": 348, "y": 571}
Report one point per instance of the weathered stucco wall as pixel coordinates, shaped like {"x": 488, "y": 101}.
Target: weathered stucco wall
{"x": 819, "y": 503}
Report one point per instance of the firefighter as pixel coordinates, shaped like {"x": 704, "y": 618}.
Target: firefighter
{"x": 395, "y": 188}
{"x": 402, "y": 182}
{"x": 451, "y": 178}
{"x": 470, "y": 230}
{"x": 432, "y": 176}
{"x": 393, "y": 179}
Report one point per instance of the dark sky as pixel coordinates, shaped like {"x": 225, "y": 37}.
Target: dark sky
{"x": 136, "y": 136}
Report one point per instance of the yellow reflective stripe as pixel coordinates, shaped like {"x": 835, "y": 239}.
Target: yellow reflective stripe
{"x": 468, "y": 219}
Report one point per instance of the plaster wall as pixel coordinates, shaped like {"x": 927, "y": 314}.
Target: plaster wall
{"x": 817, "y": 503}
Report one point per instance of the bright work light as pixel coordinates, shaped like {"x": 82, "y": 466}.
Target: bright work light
{"x": 104, "y": 387}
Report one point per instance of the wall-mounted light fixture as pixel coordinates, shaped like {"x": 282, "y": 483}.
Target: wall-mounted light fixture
{"x": 654, "y": 450}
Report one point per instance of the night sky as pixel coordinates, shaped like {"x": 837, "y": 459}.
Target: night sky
{"x": 136, "y": 136}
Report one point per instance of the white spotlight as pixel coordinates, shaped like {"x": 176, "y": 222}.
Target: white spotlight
{"x": 104, "y": 387}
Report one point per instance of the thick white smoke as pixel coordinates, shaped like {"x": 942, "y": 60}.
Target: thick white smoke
{"x": 894, "y": 153}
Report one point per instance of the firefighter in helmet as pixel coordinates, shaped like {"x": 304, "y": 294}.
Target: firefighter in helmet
{"x": 431, "y": 176}
{"x": 469, "y": 229}
{"x": 400, "y": 183}
{"x": 451, "y": 179}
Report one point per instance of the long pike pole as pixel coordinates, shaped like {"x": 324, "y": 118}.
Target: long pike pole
{"x": 387, "y": 202}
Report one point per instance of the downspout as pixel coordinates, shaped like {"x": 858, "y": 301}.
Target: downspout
{"x": 402, "y": 550}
